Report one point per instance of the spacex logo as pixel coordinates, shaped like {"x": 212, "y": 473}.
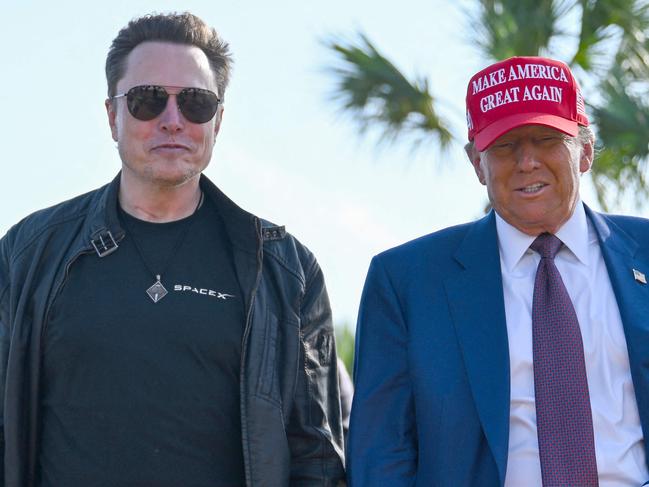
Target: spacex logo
{"x": 205, "y": 292}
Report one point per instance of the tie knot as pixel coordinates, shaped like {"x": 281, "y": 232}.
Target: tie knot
{"x": 547, "y": 245}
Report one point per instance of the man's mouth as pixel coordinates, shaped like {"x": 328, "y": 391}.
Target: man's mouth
{"x": 532, "y": 188}
{"x": 171, "y": 146}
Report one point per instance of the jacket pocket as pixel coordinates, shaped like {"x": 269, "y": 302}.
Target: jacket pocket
{"x": 269, "y": 358}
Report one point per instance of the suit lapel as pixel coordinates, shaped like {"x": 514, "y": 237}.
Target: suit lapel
{"x": 620, "y": 252}
{"x": 476, "y": 303}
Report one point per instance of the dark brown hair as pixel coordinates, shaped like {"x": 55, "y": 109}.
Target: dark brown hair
{"x": 180, "y": 28}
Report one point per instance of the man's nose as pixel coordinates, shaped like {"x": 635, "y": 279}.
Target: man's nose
{"x": 526, "y": 156}
{"x": 171, "y": 119}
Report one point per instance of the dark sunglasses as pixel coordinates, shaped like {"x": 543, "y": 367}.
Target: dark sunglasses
{"x": 146, "y": 102}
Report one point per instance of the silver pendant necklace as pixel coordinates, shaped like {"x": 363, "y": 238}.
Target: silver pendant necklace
{"x": 157, "y": 291}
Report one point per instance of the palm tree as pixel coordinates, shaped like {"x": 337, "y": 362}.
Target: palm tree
{"x": 372, "y": 89}
{"x": 376, "y": 92}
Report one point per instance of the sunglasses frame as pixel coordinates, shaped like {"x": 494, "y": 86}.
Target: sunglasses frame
{"x": 177, "y": 92}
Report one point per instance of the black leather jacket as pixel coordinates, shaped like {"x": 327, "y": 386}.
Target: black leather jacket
{"x": 290, "y": 408}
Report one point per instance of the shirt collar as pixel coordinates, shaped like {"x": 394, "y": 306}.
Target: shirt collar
{"x": 575, "y": 235}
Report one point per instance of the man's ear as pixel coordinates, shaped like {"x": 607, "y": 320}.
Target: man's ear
{"x": 587, "y": 155}
{"x": 219, "y": 119}
{"x": 112, "y": 115}
{"x": 474, "y": 157}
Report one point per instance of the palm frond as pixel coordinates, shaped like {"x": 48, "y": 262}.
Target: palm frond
{"x": 604, "y": 20}
{"x": 506, "y": 28}
{"x": 372, "y": 88}
{"x": 622, "y": 120}
{"x": 633, "y": 58}
{"x": 633, "y": 53}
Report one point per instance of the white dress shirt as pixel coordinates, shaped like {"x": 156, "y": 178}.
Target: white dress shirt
{"x": 619, "y": 444}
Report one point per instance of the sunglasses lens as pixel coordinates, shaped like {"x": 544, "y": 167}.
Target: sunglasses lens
{"x": 197, "y": 105}
{"x": 146, "y": 102}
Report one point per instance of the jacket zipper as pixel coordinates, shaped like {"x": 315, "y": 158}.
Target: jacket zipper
{"x": 244, "y": 342}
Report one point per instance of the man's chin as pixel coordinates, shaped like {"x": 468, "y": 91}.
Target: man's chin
{"x": 164, "y": 178}
{"x": 175, "y": 180}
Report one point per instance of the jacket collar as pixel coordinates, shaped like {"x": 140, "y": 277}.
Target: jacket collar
{"x": 242, "y": 227}
{"x": 103, "y": 222}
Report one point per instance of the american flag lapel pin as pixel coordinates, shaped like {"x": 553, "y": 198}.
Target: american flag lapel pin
{"x": 639, "y": 276}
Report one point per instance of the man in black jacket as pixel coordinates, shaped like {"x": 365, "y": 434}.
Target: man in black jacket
{"x": 152, "y": 332}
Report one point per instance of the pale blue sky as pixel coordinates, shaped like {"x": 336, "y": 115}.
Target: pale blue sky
{"x": 284, "y": 152}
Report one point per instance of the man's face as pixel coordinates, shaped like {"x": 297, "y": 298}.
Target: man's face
{"x": 532, "y": 176}
{"x": 168, "y": 150}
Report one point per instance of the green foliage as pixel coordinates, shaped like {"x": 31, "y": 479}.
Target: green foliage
{"x": 601, "y": 20}
{"x": 345, "y": 346}
{"x": 623, "y": 122}
{"x": 498, "y": 27}
{"x": 376, "y": 93}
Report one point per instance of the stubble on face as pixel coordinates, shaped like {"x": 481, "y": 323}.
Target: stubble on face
{"x": 168, "y": 151}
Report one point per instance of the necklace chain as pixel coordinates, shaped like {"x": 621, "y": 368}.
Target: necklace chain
{"x": 157, "y": 291}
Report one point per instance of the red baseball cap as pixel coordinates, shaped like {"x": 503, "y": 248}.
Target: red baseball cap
{"x": 523, "y": 91}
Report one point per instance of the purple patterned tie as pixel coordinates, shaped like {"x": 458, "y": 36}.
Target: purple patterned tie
{"x": 563, "y": 417}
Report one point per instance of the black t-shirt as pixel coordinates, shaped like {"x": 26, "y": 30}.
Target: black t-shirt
{"x": 140, "y": 393}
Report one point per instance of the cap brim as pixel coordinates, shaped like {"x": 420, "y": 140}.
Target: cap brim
{"x": 488, "y": 135}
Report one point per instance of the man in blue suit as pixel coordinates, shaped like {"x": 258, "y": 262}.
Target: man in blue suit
{"x": 514, "y": 350}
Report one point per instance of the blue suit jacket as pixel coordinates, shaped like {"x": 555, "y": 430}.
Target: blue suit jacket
{"x": 431, "y": 406}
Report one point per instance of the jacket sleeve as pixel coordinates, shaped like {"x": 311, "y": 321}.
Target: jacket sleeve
{"x": 4, "y": 345}
{"x": 315, "y": 429}
{"x": 382, "y": 445}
